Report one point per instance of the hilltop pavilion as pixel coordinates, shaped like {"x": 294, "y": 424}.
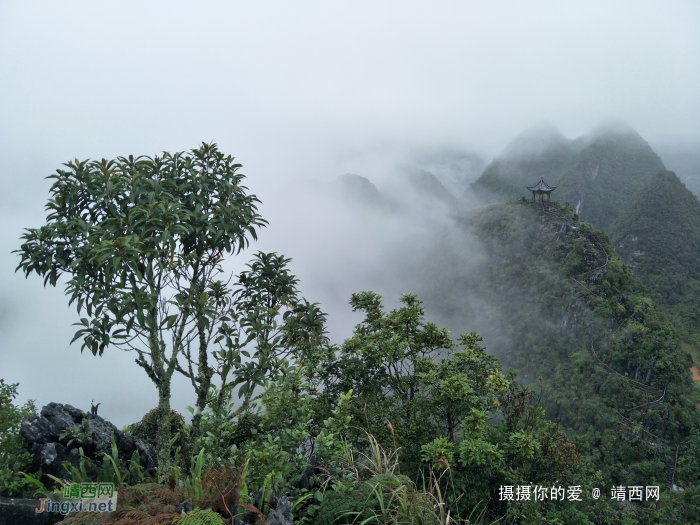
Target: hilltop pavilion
{"x": 541, "y": 189}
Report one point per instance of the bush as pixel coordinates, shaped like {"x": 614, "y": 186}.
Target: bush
{"x": 147, "y": 428}
{"x": 14, "y": 456}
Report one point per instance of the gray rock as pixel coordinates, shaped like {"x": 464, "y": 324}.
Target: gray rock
{"x": 282, "y": 514}
{"x": 563, "y": 324}
{"x": 62, "y": 416}
{"x": 51, "y": 456}
{"x": 651, "y": 367}
{"x": 16, "y": 511}
{"x": 147, "y": 453}
{"x": 42, "y": 434}
{"x": 184, "y": 507}
{"x": 38, "y": 429}
{"x": 102, "y": 431}
{"x": 314, "y": 468}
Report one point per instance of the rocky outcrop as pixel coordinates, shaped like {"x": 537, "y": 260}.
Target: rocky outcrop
{"x": 17, "y": 511}
{"x": 314, "y": 468}
{"x": 574, "y": 318}
{"x": 55, "y": 436}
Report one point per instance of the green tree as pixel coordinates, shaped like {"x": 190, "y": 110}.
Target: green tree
{"x": 440, "y": 403}
{"x": 141, "y": 241}
{"x": 411, "y": 383}
{"x": 13, "y": 449}
{"x": 265, "y": 321}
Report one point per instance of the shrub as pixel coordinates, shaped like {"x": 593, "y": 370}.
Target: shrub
{"x": 14, "y": 456}
{"x": 146, "y": 429}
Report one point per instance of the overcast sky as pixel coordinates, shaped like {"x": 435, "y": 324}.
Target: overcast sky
{"x": 299, "y": 91}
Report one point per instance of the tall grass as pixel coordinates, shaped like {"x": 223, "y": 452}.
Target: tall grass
{"x": 393, "y": 499}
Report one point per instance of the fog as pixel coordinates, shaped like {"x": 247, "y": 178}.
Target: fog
{"x": 302, "y": 93}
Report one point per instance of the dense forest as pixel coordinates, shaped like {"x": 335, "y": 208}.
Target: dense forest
{"x": 580, "y": 377}
{"x": 658, "y": 235}
{"x": 567, "y": 295}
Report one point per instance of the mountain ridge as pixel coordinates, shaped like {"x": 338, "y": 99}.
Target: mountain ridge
{"x": 596, "y": 173}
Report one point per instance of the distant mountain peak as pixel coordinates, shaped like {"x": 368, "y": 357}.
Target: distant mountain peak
{"x": 428, "y": 184}
{"x": 360, "y": 189}
{"x": 615, "y": 129}
{"x": 535, "y": 141}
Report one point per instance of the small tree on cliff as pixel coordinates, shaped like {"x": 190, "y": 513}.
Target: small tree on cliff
{"x": 141, "y": 240}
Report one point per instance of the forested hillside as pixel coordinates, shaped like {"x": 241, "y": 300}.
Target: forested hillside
{"x": 564, "y": 299}
{"x": 683, "y": 158}
{"x": 597, "y": 173}
{"x": 658, "y": 235}
{"x": 614, "y": 180}
{"x": 554, "y": 300}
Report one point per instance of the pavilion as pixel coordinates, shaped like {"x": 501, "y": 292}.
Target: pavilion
{"x": 541, "y": 189}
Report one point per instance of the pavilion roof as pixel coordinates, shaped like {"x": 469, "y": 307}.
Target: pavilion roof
{"x": 542, "y": 186}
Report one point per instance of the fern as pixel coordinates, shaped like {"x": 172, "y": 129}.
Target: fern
{"x": 265, "y": 493}
{"x": 193, "y": 483}
{"x": 200, "y": 517}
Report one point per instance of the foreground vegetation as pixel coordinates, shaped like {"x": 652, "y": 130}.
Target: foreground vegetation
{"x": 400, "y": 425}
{"x": 412, "y": 439}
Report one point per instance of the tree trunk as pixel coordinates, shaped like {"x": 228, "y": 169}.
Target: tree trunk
{"x": 246, "y": 401}
{"x": 204, "y": 375}
{"x": 162, "y": 377}
{"x": 163, "y": 432}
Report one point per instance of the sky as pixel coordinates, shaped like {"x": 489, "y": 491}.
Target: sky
{"x": 301, "y": 93}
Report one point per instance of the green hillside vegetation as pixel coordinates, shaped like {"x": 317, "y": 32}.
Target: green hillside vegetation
{"x": 597, "y": 173}
{"x": 683, "y": 158}
{"x": 550, "y": 323}
{"x": 658, "y": 235}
